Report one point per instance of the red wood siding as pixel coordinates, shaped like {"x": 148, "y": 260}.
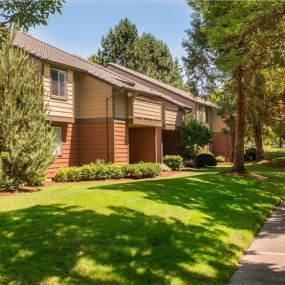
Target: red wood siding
{"x": 93, "y": 142}
{"x": 70, "y": 155}
{"x": 121, "y": 144}
{"x": 142, "y": 144}
{"x": 222, "y": 145}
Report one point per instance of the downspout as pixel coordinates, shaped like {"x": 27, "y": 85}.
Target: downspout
{"x": 107, "y": 126}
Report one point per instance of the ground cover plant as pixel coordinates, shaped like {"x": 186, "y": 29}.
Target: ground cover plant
{"x": 190, "y": 229}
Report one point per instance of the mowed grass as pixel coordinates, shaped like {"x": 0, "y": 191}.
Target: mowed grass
{"x": 187, "y": 229}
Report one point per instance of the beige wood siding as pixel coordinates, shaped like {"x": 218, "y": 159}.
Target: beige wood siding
{"x": 217, "y": 124}
{"x": 146, "y": 109}
{"x": 173, "y": 118}
{"x": 58, "y": 107}
{"x": 121, "y": 143}
{"x": 95, "y": 98}
{"x": 120, "y": 105}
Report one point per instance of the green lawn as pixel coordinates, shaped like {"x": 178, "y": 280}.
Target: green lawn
{"x": 188, "y": 229}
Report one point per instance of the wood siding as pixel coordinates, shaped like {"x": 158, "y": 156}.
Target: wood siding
{"x": 70, "y": 153}
{"x": 146, "y": 110}
{"x": 61, "y": 107}
{"x": 217, "y": 124}
{"x": 120, "y": 105}
{"x": 173, "y": 118}
{"x": 222, "y": 145}
{"x": 121, "y": 142}
{"x": 95, "y": 98}
{"x": 95, "y": 142}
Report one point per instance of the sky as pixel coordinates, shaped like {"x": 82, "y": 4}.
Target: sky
{"x": 83, "y": 22}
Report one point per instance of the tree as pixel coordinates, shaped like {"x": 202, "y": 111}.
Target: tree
{"x": 118, "y": 45}
{"x": 241, "y": 36}
{"x": 194, "y": 136}
{"x": 153, "y": 58}
{"x": 23, "y": 14}
{"x": 26, "y": 141}
{"x": 145, "y": 54}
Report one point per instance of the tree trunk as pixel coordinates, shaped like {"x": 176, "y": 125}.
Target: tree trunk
{"x": 257, "y": 133}
{"x": 280, "y": 142}
{"x": 240, "y": 124}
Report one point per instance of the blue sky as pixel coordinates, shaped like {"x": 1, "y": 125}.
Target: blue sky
{"x": 80, "y": 27}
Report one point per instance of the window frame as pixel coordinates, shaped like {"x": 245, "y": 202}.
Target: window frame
{"x": 59, "y": 71}
{"x": 58, "y": 147}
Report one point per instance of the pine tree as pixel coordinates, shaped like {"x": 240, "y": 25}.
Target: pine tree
{"x": 26, "y": 140}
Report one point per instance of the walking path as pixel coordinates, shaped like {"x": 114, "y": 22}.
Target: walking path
{"x": 264, "y": 261}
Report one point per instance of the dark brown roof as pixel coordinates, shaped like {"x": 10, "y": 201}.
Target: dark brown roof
{"x": 51, "y": 54}
{"x": 163, "y": 85}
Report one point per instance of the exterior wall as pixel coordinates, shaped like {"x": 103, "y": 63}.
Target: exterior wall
{"x": 142, "y": 144}
{"x": 95, "y": 142}
{"x": 95, "y": 98}
{"x": 120, "y": 105}
{"x": 170, "y": 140}
{"x": 222, "y": 145}
{"x": 58, "y": 107}
{"x": 158, "y": 145}
{"x": 217, "y": 124}
{"x": 121, "y": 142}
{"x": 70, "y": 154}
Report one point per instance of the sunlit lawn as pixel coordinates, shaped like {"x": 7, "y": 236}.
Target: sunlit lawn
{"x": 188, "y": 229}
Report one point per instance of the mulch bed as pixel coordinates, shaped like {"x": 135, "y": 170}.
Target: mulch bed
{"x": 247, "y": 174}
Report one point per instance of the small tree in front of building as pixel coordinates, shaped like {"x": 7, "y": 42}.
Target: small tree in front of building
{"x": 194, "y": 136}
{"x": 27, "y": 141}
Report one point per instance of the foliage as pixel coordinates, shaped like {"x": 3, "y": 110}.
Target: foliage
{"x": 101, "y": 171}
{"x": 236, "y": 39}
{"x": 118, "y": 45}
{"x": 205, "y": 159}
{"x": 23, "y": 14}
{"x": 174, "y": 162}
{"x": 194, "y": 136}
{"x": 142, "y": 170}
{"x": 145, "y": 54}
{"x": 220, "y": 158}
{"x": 250, "y": 154}
{"x": 25, "y": 136}
{"x": 164, "y": 168}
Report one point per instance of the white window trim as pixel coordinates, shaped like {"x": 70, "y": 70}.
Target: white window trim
{"x": 58, "y": 148}
{"x": 58, "y": 87}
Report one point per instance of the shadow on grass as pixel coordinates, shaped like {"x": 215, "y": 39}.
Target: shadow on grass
{"x": 237, "y": 202}
{"x": 68, "y": 245}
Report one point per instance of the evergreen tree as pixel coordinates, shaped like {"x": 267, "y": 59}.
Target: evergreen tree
{"x": 26, "y": 141}
{"x": 241, "y": 37}
{"x": 118, "y": 45}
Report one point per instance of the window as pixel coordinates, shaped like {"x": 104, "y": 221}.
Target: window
{"x": 58, "y": 141}
{"x": 58, "y": 82}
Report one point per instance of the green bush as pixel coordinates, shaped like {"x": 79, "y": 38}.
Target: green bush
{"x": 142, "y": 170}
{"x": 220, "y": 158}
{"x": 101, "y": 170}
{"x": 164, "y": 168}
{"x": 278, "y": 162}
{"x": 174, "y": 162}
{"x": 250, "y": 154}
{"x": 205, "y": 159}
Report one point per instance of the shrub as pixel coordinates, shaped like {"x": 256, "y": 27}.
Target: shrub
{"x": 142, "y": 170}
{"x": 101, "y": 170}
{"x": 250, "y": 154}
{"x": 220, "y": 158}
{"x": 206, "y": 159}
{"x": 174, "y": 162}
{"x": 194, "y": 136}
{"x": 164, "y": 168}
{"x": 278, "y": 162}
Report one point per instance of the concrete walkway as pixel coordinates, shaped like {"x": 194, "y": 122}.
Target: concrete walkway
{"x": 264, "y": 261}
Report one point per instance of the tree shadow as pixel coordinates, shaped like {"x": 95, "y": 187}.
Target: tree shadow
{"x": 236, "y": 202}
{"x": 69, "y": 245}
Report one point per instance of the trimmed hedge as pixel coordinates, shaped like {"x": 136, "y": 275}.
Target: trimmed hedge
{"x": 101, "y": 171}
{"x": 174, "y": 162}
{"x": 205, "y": 159}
